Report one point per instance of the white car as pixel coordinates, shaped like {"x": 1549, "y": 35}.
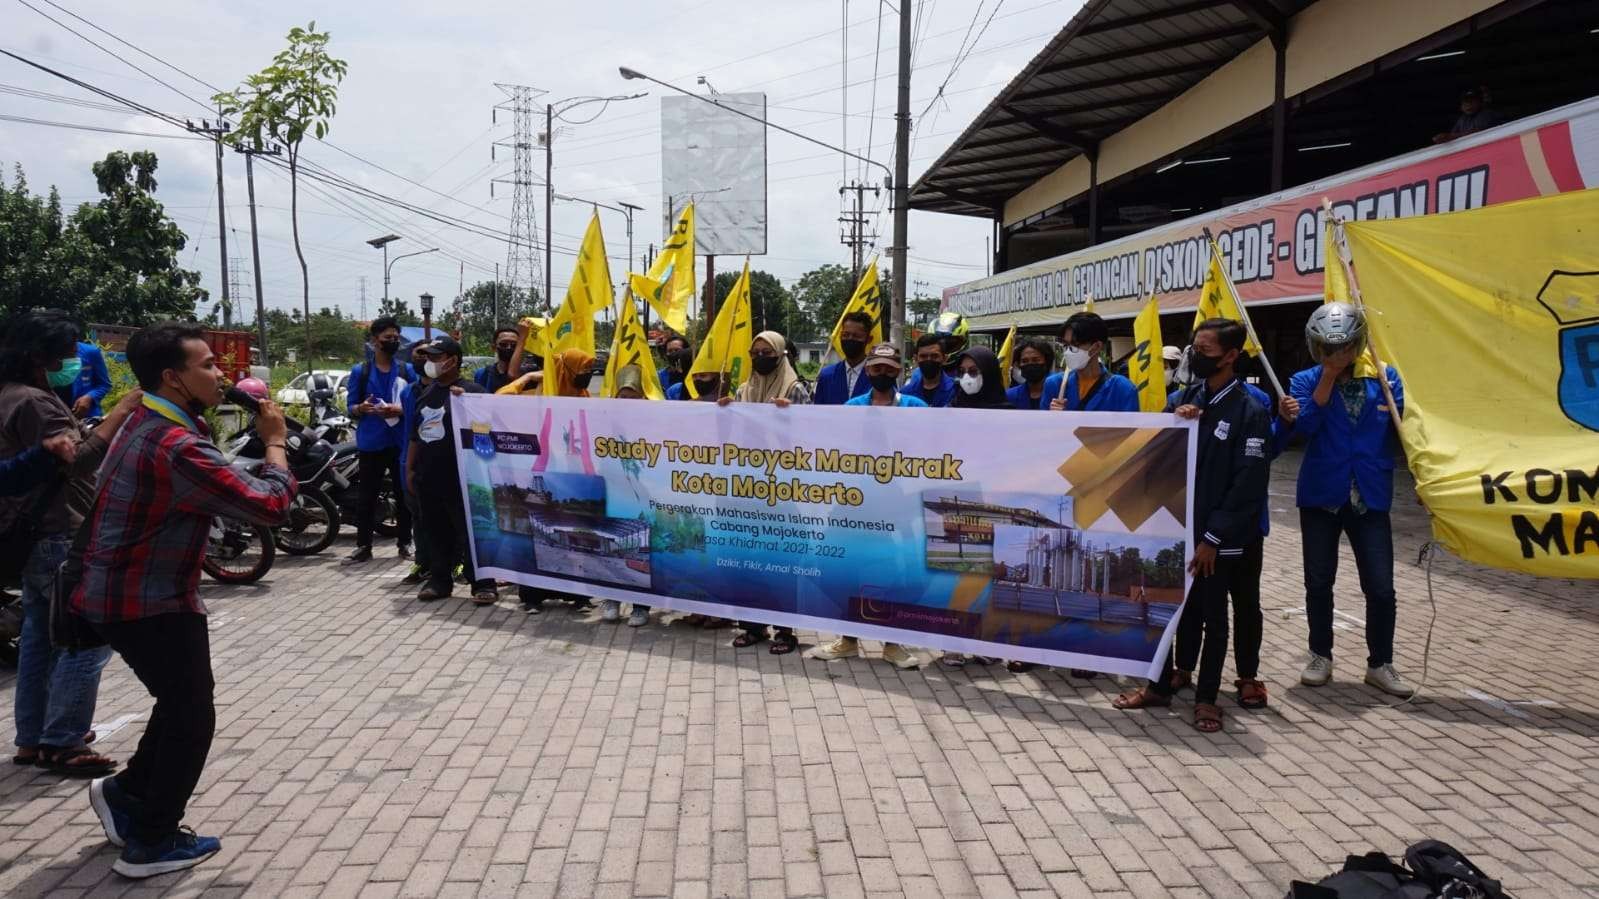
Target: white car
{"x": 294, "y": 393}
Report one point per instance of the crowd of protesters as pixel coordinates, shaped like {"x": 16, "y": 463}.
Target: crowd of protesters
{"x": 117, "y": 505}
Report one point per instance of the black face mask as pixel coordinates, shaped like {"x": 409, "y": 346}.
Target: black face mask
{"x": 764, "y": 365}
{"x": 389, "y": 347}
{"x": 1203, "y": 366}
{"x": 852, "y": 348}
{"x": 708, "y": 390}
{"x": 930, "y": 368}
{"x": 678, "y": 359}
{"x": 505, "y": 353}
{"x": 883, "y": 383}
{"x": 581, "y": 382}
{"x": 1033, "y": 372}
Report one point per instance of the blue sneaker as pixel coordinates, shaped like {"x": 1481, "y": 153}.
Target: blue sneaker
{"x": 112, "y": 807}
{"x": 180, "y": 850}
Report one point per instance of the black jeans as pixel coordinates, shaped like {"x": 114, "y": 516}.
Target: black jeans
{"x": 419, "y": 534}
{"x": 375, "y": 467}
{"x": 1203, "y": 625}
{"x": 1243, "y": 583}
{"x": 1371, "y": 536}
{"x": 440, "y": 500}
{"x": 171, "y": 655}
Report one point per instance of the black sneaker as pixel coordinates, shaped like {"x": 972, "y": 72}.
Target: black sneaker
{"x": 416, "y": 575}
{"x": 180, "y": 850}
{"x": 431, "y": 593}
{"x": 361, "y": 554}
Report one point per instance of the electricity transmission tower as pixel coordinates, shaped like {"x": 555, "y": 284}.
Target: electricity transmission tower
{"x": 235, "y": 288}
{"x": 522, "y": 266}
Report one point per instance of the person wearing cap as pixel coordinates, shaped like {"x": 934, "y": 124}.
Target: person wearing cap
{"x": 433, "y": 473}
{"x": 881, "y": 367}
{"x": 1089, "y": 386}
{"x": 930, "y": 383}
{"x": 1035, "y": 357}
{"x": 1475, "y": 115}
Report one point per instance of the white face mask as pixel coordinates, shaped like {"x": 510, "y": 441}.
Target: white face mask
{"x": 1076, "y": 359}
{"x": 431, "y": 369}
{"x": 971, "y": 383}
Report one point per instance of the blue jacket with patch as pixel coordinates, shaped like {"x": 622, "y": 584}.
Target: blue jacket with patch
{"x": 832, "y": 385}
{"x": 94, "y": 379}
{"x": 1019, "y": 399}
{"x": 1113, "y": 393}
{"x": 1339, "y": 452}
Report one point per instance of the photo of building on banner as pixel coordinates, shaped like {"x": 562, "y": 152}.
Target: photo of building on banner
{"x": 1070, "y": 550}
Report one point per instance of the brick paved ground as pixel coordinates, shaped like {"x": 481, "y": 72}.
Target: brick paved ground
{"x": 367, "y": 744}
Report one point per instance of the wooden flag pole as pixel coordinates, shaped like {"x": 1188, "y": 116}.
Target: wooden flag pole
{"x": 1243, "y": 312}
{"x": 1348, "y": 262}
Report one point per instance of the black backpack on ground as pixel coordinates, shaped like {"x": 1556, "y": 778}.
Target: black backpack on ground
{"x": 1432, "y": 870}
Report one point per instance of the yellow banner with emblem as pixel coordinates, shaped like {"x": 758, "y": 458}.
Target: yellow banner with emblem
{"x": 1218, "y": 300}
{"x": 669, "y": 286}
{"x": 1146, "y": 367}
{"x": 868, "y": 298}
{"x": 726, "y": 348}
{"x": 631, "y": 346}
{"x": 1492, "y": 318}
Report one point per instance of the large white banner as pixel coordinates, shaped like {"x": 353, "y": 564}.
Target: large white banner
{"x": 1056, "y": 538}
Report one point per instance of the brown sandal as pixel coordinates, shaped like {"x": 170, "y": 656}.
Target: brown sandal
{"x": 1207, "y": 718}
{"x": 1181, "y": 680}
{"x": 1251, "y": 693}
{"x": 1141, "y": 698}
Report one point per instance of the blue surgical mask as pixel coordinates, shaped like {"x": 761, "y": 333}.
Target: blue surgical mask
{"x": 69, "y": 371}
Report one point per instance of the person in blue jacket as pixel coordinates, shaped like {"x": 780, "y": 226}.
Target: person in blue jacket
{"x": 373, "y": 400}
{"x": 1346, "y": 486}
{"x": 84, "y": 381}
{"x": 1035, "y": 358}
{"x": 679, "y": 356}
{"x": 929, "y": 383}
{"x": 1090, "y": 387}
{"x": 844, "y": 380}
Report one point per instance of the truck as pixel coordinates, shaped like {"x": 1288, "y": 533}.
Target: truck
{"x": 232, "y": 349}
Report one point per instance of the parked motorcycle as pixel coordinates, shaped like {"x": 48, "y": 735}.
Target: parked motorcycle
{"x": 326, "y": 421}
{"x": 237, "y": 551}
{"x": 347, "y": 462}
{"x": 313, "y": 519}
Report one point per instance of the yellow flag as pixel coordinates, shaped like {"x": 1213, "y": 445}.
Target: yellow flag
{"x": 588, "y": 292}
{"x": 631, "y": 346}
{"x": 669, "y": 287}
{"x": 1335, "y": 289}
{"x": 1088, "y": 303}
{"x": 1217, "y": 300}
{"x": 868, "y": 298}
{"x": 1492, "y": 315}
{"x": 1006, "y": 348}
{"x": 726, "y": 348}
{"x": 535, "y": 342}
{"x": 1146, "y": 368}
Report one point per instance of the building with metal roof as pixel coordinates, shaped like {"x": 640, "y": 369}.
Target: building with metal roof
{"x": 1145, "y": 124}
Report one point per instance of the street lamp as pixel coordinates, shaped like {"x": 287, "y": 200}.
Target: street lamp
{"x": 383, "y": 244}
{"x": 427, "y": 315}
{"x": 897, "y": 251}
{"x": 550, "y": 115}
{"x": 627, "y": 210}
{"x": 389, "y": 266}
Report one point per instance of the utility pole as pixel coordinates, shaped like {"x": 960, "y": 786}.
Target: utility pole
{"x": 857, "y": 237}
{"x": 496, "y": 321}
{"x": 549, "y": 201}
{"x": 216, "y": 133}
{"x": 710, "y": 291}
{"x": 902, "y": 171}
{"x": 362, "y": 279}
{"x": 521, "y": 259}
{"x": 628, "y": 209}
{"x": 255, "y": 244}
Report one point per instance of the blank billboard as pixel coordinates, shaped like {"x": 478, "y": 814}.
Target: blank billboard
{"x": 717, "y": 159}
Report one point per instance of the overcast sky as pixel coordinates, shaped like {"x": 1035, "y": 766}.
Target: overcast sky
{"x": 417, "y": 101}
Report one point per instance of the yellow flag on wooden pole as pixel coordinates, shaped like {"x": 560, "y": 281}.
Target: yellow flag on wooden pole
{"x": 1146, "y": 368}
{"x": 1007, "y": 347}
{"x": 669, "y": 286}
{"x": 631, "y": 346}
{"x": 726, "y": 349}
{"x": 868, "y": 298}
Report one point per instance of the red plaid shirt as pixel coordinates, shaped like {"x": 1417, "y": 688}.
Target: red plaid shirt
{"x": 160, "y": 487}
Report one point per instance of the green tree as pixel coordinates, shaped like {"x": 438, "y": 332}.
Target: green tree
{"x": 112, "y": 261}
{"x": 822, "y": 293}
{"x": 294, "y": 96}
{"x": 920, "y": 310}
{"x": 772, "y": 308}
{"x": 476, "y": 309}
{"x": 401, "y": 311}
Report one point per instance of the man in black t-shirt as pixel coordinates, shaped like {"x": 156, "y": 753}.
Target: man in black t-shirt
{"x": 434, "y": 474}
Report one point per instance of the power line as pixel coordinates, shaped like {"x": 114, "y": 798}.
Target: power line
{"x": 81, "y": 127}
{"x": 113, "y": 54}
{"x": 200, "y": 81}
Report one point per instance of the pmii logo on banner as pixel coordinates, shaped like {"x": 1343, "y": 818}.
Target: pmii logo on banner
{"x": 1573, "y": 299}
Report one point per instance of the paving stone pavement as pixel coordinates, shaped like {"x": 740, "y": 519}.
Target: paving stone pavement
{"x": 371, "y": 745}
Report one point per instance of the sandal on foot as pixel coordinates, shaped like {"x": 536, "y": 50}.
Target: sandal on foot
{"x": 1207, "y": 718}
{"x": 79, "y": 762}
{"x": 783, "y": 644}
{"x": 748, "y": 638}
{"x": 27, "y": 755}
{"x": 1181, "y": 680}
{"x": 1141, "y": 698}
{"x": 1251, "y": 693}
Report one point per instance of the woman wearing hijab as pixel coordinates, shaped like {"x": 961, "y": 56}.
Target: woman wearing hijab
{"x": 981, "y": 384}
{"x": 572, "y": 370}
{"x": 773, "y": 380}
